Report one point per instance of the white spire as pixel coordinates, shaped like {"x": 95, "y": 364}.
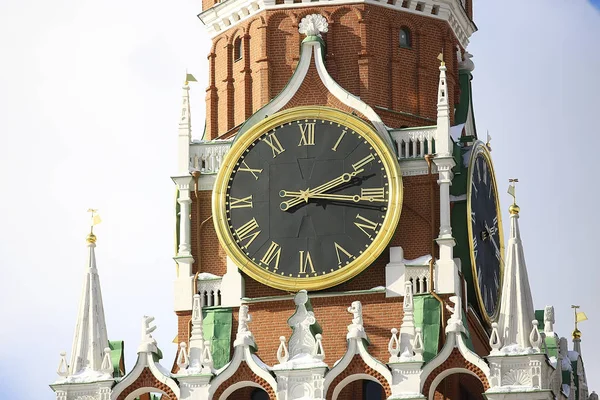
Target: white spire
{"x": 185, "y": 131}
{"x": 443, "y": 144}
{"x": 197, "y": 337}
{"x": 90, "y": 339}
{"x": 516, "y": 308}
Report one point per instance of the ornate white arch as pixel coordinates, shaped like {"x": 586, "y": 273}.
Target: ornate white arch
{"x": 238, "y": 385}
{"x": 349, "y": 379}
{"x": 142, "y": 390}
{"x": 438, "y": 379}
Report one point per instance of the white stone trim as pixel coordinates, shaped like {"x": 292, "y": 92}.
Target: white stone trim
{"x": 236, "y": 386}
{"x": 348, "y": 98}
{"x": 438, "y": 379}
{"x": 230, "y": 13}
{"x": 453, "y": 339}
{"x": 143, "y": 390}
{"x": 355, "y": 346}
{"x": 310, "y": 48}
{"x": 144, "y": 360}
{"x": 349, "y": 379}
{"x": 240, "y": 353}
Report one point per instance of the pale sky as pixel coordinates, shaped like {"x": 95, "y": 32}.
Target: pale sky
{"x": 90, "y": 94}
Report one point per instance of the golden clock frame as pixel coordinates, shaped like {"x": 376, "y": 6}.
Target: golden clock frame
{"x": 480, "y": 148}
{"x": 378, "y": 245}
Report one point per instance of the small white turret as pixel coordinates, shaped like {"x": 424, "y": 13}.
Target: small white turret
{"x": 91, "y": 338}
{"x": 516, "y": 308}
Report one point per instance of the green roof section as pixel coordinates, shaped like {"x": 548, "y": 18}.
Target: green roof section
{"x": 462, "y": 110}
{"x": 216, "y": 326}
{"x": 539, "y": 316}
{"x": 117, "y": 351}
{"x": 427, "y": 317}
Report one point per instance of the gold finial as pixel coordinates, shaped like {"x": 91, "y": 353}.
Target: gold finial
{"x": 514, "y": 208}
{"x": 579, "y": 316}
{"x": 95, "y": 220}
{"x": 441, "y": 58}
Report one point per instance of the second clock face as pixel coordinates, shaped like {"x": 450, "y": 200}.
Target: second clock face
{"x": 306, "y": 199}
{"x": 485, "y": 231}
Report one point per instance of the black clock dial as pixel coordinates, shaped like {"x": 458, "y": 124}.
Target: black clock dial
{"x": 306, "y": 198}
{"x": 486, "y": 233}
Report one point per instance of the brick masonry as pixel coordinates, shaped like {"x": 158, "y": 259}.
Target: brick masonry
{"x": 363, "y": 55}
{"x": 147, "y": 380}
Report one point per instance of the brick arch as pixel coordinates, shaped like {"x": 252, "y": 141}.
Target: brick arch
{"x": 147, "y": 379}
{"x": 357, "y": 12}
{"x": 220, "y": 38}
{"x": 240, "y": 31}
{"x": 261, "y": 20}
{"x": 455, "y": 360}
{"x": 358, "y": 366}
{"x": 245, "y": 374}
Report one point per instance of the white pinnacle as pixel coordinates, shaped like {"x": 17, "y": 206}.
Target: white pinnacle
{"x": 516, "y": 308}
{"x": 91, "y": 337}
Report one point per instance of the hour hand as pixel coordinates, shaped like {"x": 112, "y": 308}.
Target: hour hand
{"x": 302, "y": 196}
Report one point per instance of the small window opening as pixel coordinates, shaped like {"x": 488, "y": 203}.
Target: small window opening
{"x": 405, "y": 40}
{"x": 237, "y": 49}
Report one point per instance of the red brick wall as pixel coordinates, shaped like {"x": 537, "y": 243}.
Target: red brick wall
{"x": 363, "y": 55}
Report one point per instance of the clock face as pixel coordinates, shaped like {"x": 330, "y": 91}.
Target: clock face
{"x": 485, "y": 231}
{"x": 308, "y": 199}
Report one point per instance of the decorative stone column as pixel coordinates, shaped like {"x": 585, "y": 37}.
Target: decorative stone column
{"x": 184, "y": 259}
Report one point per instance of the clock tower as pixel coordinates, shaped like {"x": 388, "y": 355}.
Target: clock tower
{"x": 338, "y": 229}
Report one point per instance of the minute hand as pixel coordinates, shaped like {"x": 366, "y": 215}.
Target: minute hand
{"x": 320, "y": 189}
{"x": 343, "y": 197}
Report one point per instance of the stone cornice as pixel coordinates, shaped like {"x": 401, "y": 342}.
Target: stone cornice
{"x": 229, "y": 13}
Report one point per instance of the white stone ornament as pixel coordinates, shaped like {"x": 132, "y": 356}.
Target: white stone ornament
{"x": 394, "y": 346}
{"x": 302, "y": 340}
{"x": 282, "y": 352}
{"x": 63, "y": 368}
{"x": 548, "y": 319}
{"x": 356, "y": 329}
{"x": 495, "y": 342}
{"x": 313, "y": 25}
{"x": 535, "y": 338}
{"x": 455, "y": 323}
{"x": 107, "y": 366}
{"x": 182, "y": 359}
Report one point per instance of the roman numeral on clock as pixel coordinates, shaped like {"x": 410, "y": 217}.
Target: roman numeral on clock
{"x": 365, "y": 224}
{"x": 306, "y": 261}
{"x": 308, "y": 134}
{"x": 253, "y": 171}
{"x": 246, "y": 202}
{"x": 360, "y": 164}
{"x": 335, "y": 146}
{"x": 274, "y": 143}
{"x": 273, "y": 253}
{"x": 339, "y": 248}
{"x": 248, "y": 232}
{"x": 372, "y": 193}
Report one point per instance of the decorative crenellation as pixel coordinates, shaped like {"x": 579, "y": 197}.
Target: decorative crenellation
{"x": 209, "y": 289}
{"x": 207, "y": 156}
{"x": 227, "y": 14}
{"x": 414, "y": 143}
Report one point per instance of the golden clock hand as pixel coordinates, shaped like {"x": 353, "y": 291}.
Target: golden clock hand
{"x": 285, "y": 205}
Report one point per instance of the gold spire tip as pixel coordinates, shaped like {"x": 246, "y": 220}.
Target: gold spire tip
{"x": 95, "y": 220}
{"x": 514, "y": 208}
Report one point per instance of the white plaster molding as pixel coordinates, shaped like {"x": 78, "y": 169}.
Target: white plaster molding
{"x": 232, "y": 285}
{"x": 313, "y": 49}
{"x": 207, "y": 156}
{"x": 438, "y": 379}
{"x": 410, "y": 143}
{"x": 230, "y": 13}
{"x": 349, "y": 379}
{"x": 453, "y": 340}
{"x": 241, "y": 353}
{"x": 145, "y": 360}
{"x": 236, "y": 386}
{"x": 356, "y": 346}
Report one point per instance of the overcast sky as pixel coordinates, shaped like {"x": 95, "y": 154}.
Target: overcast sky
{"x": 90, "y": 94}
